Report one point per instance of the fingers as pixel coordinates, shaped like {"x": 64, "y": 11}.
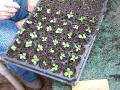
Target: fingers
{"x": 12, "y": 5}
{"x": 8, "y": 10}
{"x": 6, "y": 15}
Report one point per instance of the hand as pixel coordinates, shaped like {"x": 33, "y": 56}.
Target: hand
{"x": 32, "y": 4}
{"x": 8, "y": 9}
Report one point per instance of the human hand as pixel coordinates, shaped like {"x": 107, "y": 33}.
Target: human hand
{"x": 8, "y": 8}
{"x": 32, "y": 4}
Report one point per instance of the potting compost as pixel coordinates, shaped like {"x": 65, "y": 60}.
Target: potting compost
{"x": 57, "y": 38}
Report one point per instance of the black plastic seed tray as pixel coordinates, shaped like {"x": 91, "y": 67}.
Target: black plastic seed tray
{"x": 60, "y": 76}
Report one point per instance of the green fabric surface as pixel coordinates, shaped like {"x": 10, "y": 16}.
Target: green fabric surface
{"x": 105, "y": 53}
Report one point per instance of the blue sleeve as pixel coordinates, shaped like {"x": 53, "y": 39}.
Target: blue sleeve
{"x": 22, "y": 12}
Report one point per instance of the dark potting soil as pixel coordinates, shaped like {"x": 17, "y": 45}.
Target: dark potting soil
{"x": 55, "y": 35}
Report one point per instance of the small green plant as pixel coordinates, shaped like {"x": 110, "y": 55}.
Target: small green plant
{"x": 28, "y": 43}
{"x": 20, "y": 31}
{"x": 59, "y": 30}
{"x": 45, "y": 63}
{"x": 58, "y": 12}
{"x": 74, "y": 58}
{"x": 44, "y": 18}
{"x": 75, "y": 26}
{"x": 44, "y": 39}
{"x": 77, "y": 48}
{"x": 65, "y": 23}
{"x": 29, "y": 22}
{"x": 68, "y": 73}
{"x": 13, "y": 48}
{"x": 39, "y": 48}
{"x": 55, "y": 42}
{"x": 70, "y": 35}
{"x": 89, "y": 30}
{"x": 39, "y": 8}
{"x": 62, "y": 55}
{"x": 82, "y": 18}
{"x": 35, "y": 60}
{"x": 70, "y": 15}
{"x": 48, "y": 11}
{"x": 82, "y": 36}
{"x": 54, "y": 67}
{"x": 51, "y": 50}
{"x": 18, "y": 41}
{"x": 92, "y": 20}
{"x": 39, "y": 26}
{"x": 65, "y": 44}
{"x": 35, "y": 14}
{"x": 22, "y": 56}
{"x": 49, "y": 28}
{"x": 33, "y": 35}
{"x": 54, "y": 20}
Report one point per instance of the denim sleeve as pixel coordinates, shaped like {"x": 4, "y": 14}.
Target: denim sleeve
{"x": 22, "y": 12}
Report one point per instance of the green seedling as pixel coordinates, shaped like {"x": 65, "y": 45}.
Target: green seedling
{"x": 82, "y": 36}
{"x": 89, "y": 30}
{"x": 82, "y": 18}
{"x": 55, "y": 42}
{"x": 74, "y": 58}
{"x": 44, "y": 18}
{"x": 45, "y": 63}
{"x": 29, "y": 22}
{"x": 75, "y": 26}
{"x": 35, "y": 14}
{"x": 39, "y": 26}
{"x": 54, "y": 20}
{"x": 51, "y": 50}
{"x": 68, "y": 73}
{"x": 18, "y": 41}
{"x": 59, "y": 30}
{"x": 39, "y": 48}
{"x": 70, "y": 15}
{"x": 54, "y": 67}
{"x": 48, "y": 11}
{"x": 62, "y": 55}
{"x": 44, "y": 39}
{"x": 39, "y": 8}
{"x": 22, "y": 56}
{"x": 65, "y": 44}
{"x": 69, "y": 35}
{"x": 33, "y": 35}
{"x": 58, "y": 12}
{"x": 35, "y": 60}
{"x": 92, "y": 20}
{"x": 13, "y": 48}
{"x": 77, "y": 48}
{"x": 65, "y": 23}
{"x": 20, "y": 31}
{"x": 49, "y": 28}
{"x": 28, "y": 43}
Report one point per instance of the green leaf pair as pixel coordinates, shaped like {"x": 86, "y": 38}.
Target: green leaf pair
{"x": 35, "y": 60}
{"x": 33, "y": 35}
{"x": 54, "y": 67}
{"x": 68, "y": 73}
{"x": 22, "y": 56}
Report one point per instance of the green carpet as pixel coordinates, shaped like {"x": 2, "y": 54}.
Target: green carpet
{"x": 105, "y": 53}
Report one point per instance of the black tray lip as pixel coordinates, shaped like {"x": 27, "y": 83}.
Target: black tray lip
{"x": 55, "y": 76}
